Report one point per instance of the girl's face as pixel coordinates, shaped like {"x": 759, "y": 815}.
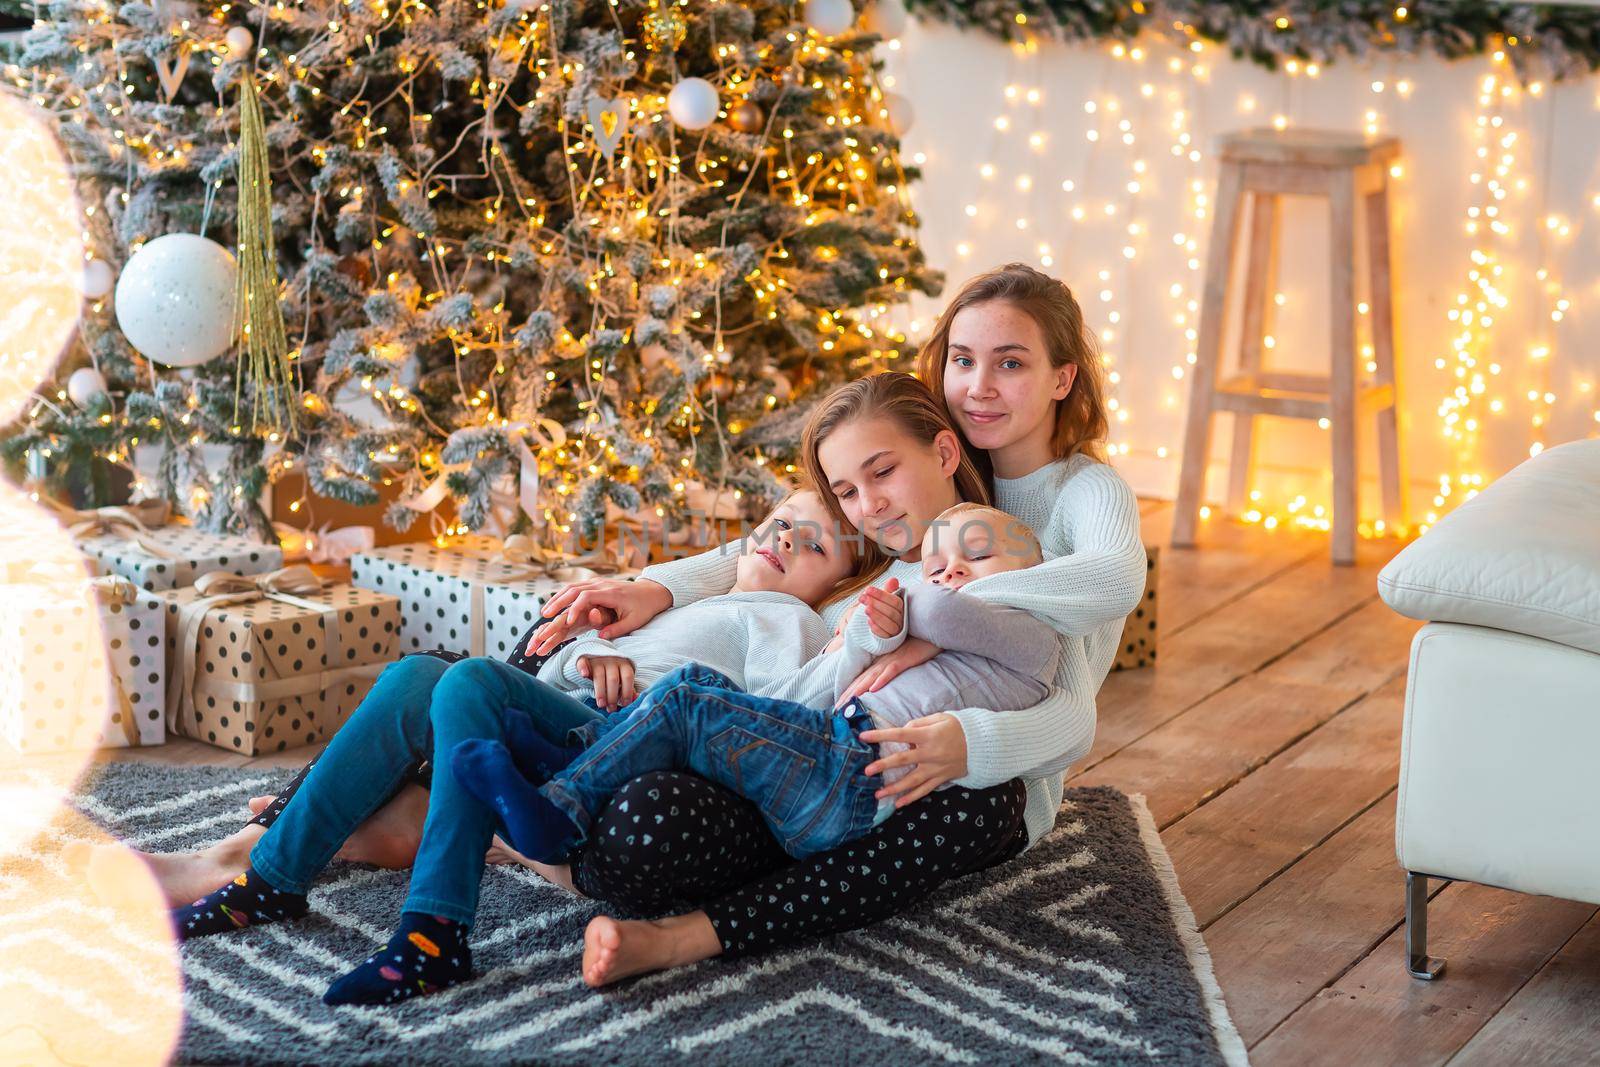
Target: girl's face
{"x": 796, "y": 550}
{"x": 889, "y": 484}
{"x": 999, "y": 383}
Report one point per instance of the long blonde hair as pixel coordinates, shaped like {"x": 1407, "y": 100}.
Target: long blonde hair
{"x": 904, "y": 400}
{"x": 1081, "y": 419}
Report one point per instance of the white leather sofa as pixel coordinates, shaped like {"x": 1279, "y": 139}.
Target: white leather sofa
{"x": 1500, "y": 761}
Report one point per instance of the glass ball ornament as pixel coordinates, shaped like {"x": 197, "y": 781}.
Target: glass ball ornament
{"x": 830, "y": 17}
{"x": 693, "y": 103}
{"x": 175, "y": 300}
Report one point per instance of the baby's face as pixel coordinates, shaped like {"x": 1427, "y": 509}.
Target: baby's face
{"x": 968, "y": 547}
{"x": 796, "y": 550}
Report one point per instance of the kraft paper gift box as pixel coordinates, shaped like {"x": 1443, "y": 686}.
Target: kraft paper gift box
{"x": 158, "y": 555}
{"x": 445, "y": 592}
{"x": 1138, "y": 645}
{"x": 52, "y": 681}
{"x": 268, "y": 662}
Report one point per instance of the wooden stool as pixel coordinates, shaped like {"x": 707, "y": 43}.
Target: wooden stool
{"x": 1264, "y": 165}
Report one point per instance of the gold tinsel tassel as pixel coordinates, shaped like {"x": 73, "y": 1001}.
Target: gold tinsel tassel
{"x": 258, "y": 315}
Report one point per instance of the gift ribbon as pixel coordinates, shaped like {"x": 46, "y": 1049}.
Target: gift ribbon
{"x": 324, "y": 545}
{"x": 131, "y": 522}
{"x": 115, "y": 589}
{"x": 547, "y": 433}
{"x": 220, "y": 589}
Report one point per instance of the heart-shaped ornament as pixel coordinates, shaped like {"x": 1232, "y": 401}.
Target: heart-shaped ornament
{"x": 610, "y": 121}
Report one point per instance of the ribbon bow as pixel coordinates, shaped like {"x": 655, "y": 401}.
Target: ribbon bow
{"x": 132, "y": 521}
{"x": 114, "y": 589}
{"x": 324, "y": 545}
{"x": 557, "y": 565}
{"x": 238, "y": 588}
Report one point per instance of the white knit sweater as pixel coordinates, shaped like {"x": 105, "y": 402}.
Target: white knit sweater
{"x": 1087, "y": 519}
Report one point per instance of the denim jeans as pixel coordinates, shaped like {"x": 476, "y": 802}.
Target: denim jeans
{"x": 801, "y": 766}
{"x": 419, "y": 709}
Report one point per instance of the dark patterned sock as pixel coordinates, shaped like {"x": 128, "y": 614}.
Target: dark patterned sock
{"x": 428, "y": 953}
{"x": 536, "y": 757}
{"x": 534, "y": 826}
{"x": 246, "y": 901}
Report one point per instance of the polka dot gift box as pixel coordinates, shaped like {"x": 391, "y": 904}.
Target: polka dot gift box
{"x": 173, "y": 556}
{"x": 267, "y": 662}
{"x": 51, "y": 683}
{"x": 1138, "y": 645}
{"x": 465, "y": 596}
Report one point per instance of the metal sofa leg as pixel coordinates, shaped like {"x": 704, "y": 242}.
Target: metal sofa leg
{"x": 1418, "y": 963}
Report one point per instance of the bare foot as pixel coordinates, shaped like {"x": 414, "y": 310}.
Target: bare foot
{"x": 614, "y": 949}
{"x": 184, "y": 877}
{"x": 391, "y": 836}
{"x": 500, "y": 852}
{"x": 260, "y": 804}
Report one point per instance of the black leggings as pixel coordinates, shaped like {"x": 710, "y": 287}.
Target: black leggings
{"x": 671, "y": 842}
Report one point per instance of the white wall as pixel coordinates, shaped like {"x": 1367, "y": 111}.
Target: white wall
{"x": 957, "y": 82}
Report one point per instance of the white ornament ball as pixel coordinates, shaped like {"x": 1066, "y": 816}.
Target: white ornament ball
{"x": 85, "y": 386}
{"x": 886, "y": 18}
{"x": 693, "y": 103}
{"x": 239, "y": 40}
{"x": 902, "y": 116}
{"x": 175, "y": 300}
{"x": 830, "y": 17}
{"x": 97, "y": 279}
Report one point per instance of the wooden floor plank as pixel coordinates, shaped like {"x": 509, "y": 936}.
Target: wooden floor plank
{"x": 1377, "y": 1013}
{"x": 1279, "y": 948}
{"x": 1238, "y": 639}
{"x": 1552, "y": 1019}
{"x": 1233, "y": 845}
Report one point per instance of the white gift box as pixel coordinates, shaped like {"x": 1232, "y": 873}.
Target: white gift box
{"x": 188, "y": 553}
{"x": 510, "y": 611}
{"x": 52, "y": 679}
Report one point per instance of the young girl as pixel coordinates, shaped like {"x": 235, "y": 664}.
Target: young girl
{"x": 375, "y": 751}
{"x": 799, "y": 763}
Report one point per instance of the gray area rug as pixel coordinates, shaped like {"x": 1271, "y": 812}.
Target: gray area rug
{"x": 1080, "y": 951}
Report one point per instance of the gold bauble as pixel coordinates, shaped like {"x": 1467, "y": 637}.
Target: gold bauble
{"x": 664, "y": 30}
{"x": 747, "y": 118}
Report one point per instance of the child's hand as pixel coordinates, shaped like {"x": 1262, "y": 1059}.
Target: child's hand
{"x": 886, "y": 612}
{"x": 612, "y": 677}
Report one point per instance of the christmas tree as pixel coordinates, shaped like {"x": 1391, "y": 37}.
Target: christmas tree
{"x": 567, "y": 253}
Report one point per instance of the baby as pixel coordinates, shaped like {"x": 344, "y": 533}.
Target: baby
{"x": 800, "y": 763}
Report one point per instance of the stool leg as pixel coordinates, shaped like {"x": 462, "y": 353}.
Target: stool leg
{"x": 1391, "y": 465}
{"x": 1342, "y": 364}
{"x": 1203, "y": 375}
{"x": 1260, "y": 270}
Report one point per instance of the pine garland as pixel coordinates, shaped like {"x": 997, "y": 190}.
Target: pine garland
{"x": 1553, "y": 41}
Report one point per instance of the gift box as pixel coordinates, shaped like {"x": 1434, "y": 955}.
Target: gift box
{"x": 445, "y": 591}
{"x": 53, "y": 679}
{"x": 1138, "y": 645}
{"x": 267, "y": 662}
{"x": 160, "y": 555}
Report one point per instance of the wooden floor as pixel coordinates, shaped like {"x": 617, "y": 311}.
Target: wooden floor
{"x": 1267, "y": 744}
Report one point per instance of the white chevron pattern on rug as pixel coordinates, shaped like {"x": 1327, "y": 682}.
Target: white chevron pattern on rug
{"x": 1080, "y": 951}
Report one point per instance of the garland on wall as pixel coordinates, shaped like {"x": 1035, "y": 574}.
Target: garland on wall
{"x": 1551, "y": 41}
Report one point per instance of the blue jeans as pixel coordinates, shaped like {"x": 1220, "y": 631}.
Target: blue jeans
{"x": 419, "y": 709}
{"x": 801, "y": 766}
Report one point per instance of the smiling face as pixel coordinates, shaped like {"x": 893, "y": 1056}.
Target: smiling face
{"x": 1000, "y": 386}
{"x": 889, "y": 484}
{"x": 796, "y": 550}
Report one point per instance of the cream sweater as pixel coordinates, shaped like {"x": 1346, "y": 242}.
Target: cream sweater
{"x": 1087, "y": 519}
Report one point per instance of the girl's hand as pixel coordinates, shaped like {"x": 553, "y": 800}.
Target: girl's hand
{"x": 612, "y": 677}
{"x": 887, "y": 666}
{"x": 615, "y": 605}
{"x": 885, "y": 611}
{"x": 938, "y": 754}
{"x": 844, "y": 620}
